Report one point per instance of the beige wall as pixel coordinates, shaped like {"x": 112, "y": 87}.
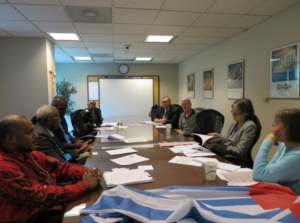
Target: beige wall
{"x": 23, "y": 75}
{"x": 77, "y": 74}
{"x": 253, "y": 46}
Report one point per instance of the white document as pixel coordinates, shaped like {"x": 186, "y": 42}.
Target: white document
{"x": 146, "y": 167}
{"x": 125, "y": 176}
{"x": 94, "y": 153}
{"x": 160, "y": 126}
{"x": 130, "y": 159}
{"x": 241, "y": 177}
{"x": 194, "y": 151}
{"x": 185, "y": 161}
{"x": 104, "y": 129}
{"x": 228, "y": 167}
{"x": 175, "y": 150}
{"x": 199, "y": 154}
{"x": 121, "y": 151}
{"x": 109, "y": 124}
{"x": 150, "y": 123}
{"x": 113, "y": 136}
{"x": 123, "y": 127}
{"x": 135, "y": 124}
{"x": 133, "y": 140}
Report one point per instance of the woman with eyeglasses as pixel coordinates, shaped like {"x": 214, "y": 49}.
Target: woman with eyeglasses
{"x": 240, "y": 134}
{"x": 284, "y": 166}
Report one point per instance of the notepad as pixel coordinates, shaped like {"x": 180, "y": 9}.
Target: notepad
{"x": 125, "y": 176}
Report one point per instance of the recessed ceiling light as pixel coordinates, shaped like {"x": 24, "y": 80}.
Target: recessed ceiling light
{"x": 159, "y": 39}
{"x": 82, "y": 58}
{"x": 143, "y": 58}
{"x": 90, "y": 12}
{"x": 64, "y": 36}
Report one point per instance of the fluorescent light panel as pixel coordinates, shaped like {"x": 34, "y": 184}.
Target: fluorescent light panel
{"x": 159, "y": 39}
{"x": 82, "y": 58}
{"x": 64, "y": 36}
{"x": 143, "y": 58}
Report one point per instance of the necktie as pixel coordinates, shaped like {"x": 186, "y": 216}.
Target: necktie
{"x": 166, "y": 113}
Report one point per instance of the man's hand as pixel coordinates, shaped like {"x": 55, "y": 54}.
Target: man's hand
{"x": 213, "y": 134}
{"x": 163, "y": 120}
{"x": 180, "y": 131}
{"x": 86, "y": 147}
{"x": 98, "y": 173}
{"x": 79, "y": 143}
{"x": 91, "y": 177}
{"x": 156, "y": 120}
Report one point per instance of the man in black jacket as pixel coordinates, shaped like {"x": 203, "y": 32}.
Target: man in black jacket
{"x": 167, "y": 114}
{"x": 92, "y": 116}
{"x": 48, "y": 121}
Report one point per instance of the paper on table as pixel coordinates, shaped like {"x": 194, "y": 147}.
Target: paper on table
{"x": 168, "y": 144}
{"x": 150, "y": 123}
{"x": 175, "y": 150}
{"x": 133, "y": 146}
{"x": 109, "y": 124}
{"x": 132, "y": 140}
{"x": 199, "y": 154}
{"x": 135, "y": 124}
{"x": 228, "y": 167}
{"x": 94, "y": 153}
{"x": 104, "y": 129}
{"x": 130, "y": 159}
{"x": 146, "y": 167}
{"x": 121, "y": 151}
{"x": 160, "y": 126}
{"x": 113, "y": 136}
{"x": 241, "y": 177}
{"x": 193, "y": 150}
{"x": 123, "y": 127}
{"x": 185, "y": 161}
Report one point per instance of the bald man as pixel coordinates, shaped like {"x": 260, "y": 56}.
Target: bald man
{"x": 92, "y": 116}
{"x": 187, "y": 119}
{"x": 29, "y": 190}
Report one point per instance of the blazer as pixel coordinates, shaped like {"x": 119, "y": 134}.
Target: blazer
{"x": 241, "y": 140}
{"x": 173, "y": 117}
{"x": 50, "y": 145}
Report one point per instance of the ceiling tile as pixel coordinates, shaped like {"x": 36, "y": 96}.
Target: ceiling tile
{"x": 96, "y": 37}
{"x": 234, "y": 6}
{"x": 188, "y": 5}
{"x": 200, "y": 31}
{"x": 123, "y": 52}
{"x": 98, "y": 45}
{"x": 18, "y": 26}
{"x": 176, "y": 18}
{"x": 135, "y": 16}
{"x": 273, "y": 7}
{"x": 153, "y": 45}
{"x": 149, "y": 51}
{"x": 69, "y": 43}
{"x": 123, "y": 45}
{"x": 94, "y": 28}
{"x": 131, "y": 29}
{"x": 227, "y": 32}
{"x": 26, "y": 34}
{"x": 201, "y": 47}
{"x": 85, "y": 61}
{"x": 66, "y": 59}
{"x": 165, "y": 57}
{"x": 120, "y": 61}
{"x": 3, "y": 1}
{"x": 146, "y": 55}
{"x": 141, "y": 4}
{"x": 124, "y": 56}
{"x": 213, "y": 40}
{"x": 37, "y": 2}
{"x": 172, "y": 52}
{"x": 215, "y": 20}
{"x": 192, "y": 52}
{"x": 175, "y": 46}
{"x": 56, "y": 27}
{"x": 187, "y": 39}
{"x": 74, "y": 49}
{"x": 7, "y": 12}
{"x": 101, "y": 50}
{"x": 247, "y": 21}
{"x": 182, "y": 57}
{"x": 43, "y": 13}
{"x": 97, "y": 3}
{"x": 4, "y": 33}
{"x": 129, "y": 38}
{"x": 103, "y": 60}
{"x": 75, "y": 54}
{"x": 58, "y": 50}
{"x": 167, "y": 30}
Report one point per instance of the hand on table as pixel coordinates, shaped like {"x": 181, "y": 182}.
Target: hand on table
{"x": 86, "y": 147}
{"x": 91, "y": 177}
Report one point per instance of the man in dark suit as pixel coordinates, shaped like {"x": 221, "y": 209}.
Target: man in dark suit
{"x": 92, "y": 116}
{"x": 167, "y": 114}
{"x": 48, "y": 121}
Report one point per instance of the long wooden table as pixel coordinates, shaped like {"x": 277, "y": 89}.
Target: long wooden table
{"x": 164, "y": 173}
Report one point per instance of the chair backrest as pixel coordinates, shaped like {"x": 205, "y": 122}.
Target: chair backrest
{"x": 199, "y": 109}
{"x": 257, "y": 135}
{"x": 178, "y": 106}
{"x": 208, "y": 121}
{"x": 80, "y": 128}
{"x": 153, "y": 111}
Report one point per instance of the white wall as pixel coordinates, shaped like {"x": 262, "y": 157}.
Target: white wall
{"x": 253, "y": 46}
{"x": 23, "y": 75}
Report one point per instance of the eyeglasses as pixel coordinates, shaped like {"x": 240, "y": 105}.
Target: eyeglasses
{"x": 274, "y": 125}
{"x": 164, "y": 102}
{"x": 235, "y": 114}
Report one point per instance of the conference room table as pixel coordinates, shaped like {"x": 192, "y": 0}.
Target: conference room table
{"x": 164, "y": 173}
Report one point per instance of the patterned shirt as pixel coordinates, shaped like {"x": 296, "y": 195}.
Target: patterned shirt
{"x": 28, "y": 184}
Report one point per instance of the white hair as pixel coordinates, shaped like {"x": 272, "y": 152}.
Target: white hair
{"x": 46, "y": 111}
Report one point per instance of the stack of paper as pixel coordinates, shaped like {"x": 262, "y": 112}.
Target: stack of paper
{"x": 169, "y": 144}
{"x": 150, "y": 123}
{"x": 121, "y": 151}
{"x": 109, "y": 124}
{"x": 192, "y": 150}
{"x": 185, "y": 161}
{"x": 133, "y": 140}
{"x": 241, "y": 177}
{"x": 160, "y": 126}
{"x": 130, "y": 159}
{"x": 113, "y": 136}
{"x": 104, "y": 129}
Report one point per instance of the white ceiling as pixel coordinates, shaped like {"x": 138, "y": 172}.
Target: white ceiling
{"x": 198, "y": 25}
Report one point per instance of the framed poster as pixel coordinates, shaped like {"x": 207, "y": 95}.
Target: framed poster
{"x": 191, "y": 85}
{"x": 235, "y": 80}
{"x": 284, "y": 71}
{"x": 208, "y": 83}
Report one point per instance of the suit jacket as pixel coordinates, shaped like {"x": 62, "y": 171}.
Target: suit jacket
{"x": 241, "y": 140}
{"x": 173, "y": 116}
{"x": 90, "y": 119}
{"x": 50, "y": 145}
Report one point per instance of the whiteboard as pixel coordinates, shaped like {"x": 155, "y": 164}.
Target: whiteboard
{"x": 119, "y": 97}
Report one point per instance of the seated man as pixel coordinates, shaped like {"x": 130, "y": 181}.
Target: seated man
{"x": 92, "y": 116}
{"x": 48, "y": 121}
{"x": 167, "y": 114}
{"x": 28, "y": 179}
{"x": 64, "y": 137}
{"x": 187, "y": 120}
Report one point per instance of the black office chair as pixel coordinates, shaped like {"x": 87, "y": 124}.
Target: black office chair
{"x": 153, "y": 111}
{"x": 81, "y": 130}
{"x": 208, "y": 121}
{"x": 199, "y": 109}
{"x": 178, "y": 106}
{"x": 247, "y": 162}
